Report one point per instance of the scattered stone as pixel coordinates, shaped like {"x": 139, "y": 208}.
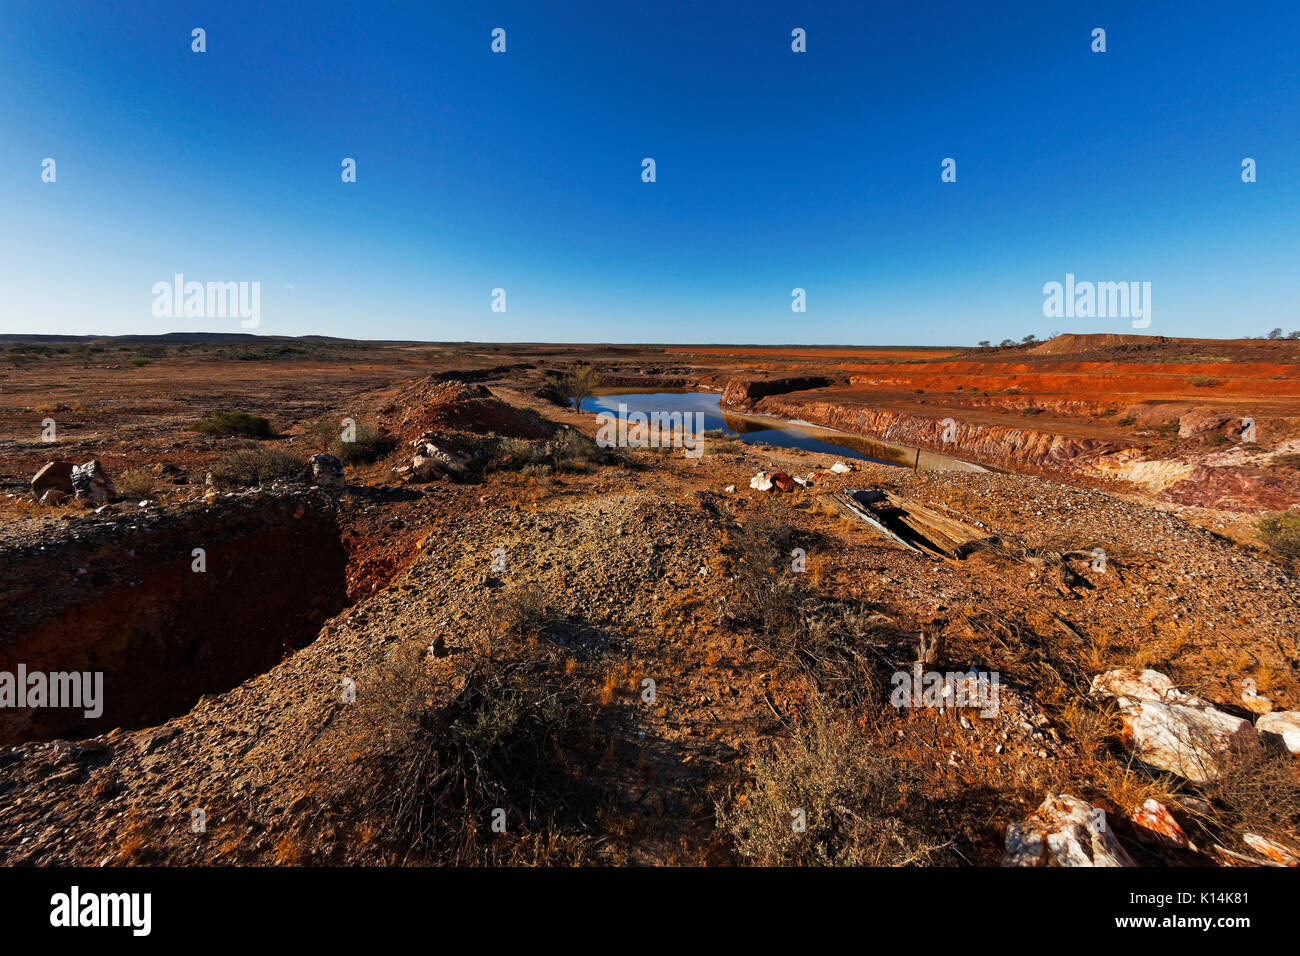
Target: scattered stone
{"x": 53, "y": 476}
{"x": 1255, "y": 702}
{"x": 761, "y": 482}
{"x": 157, "y": 738}
{"x": 1063, "y": 831}
{"x": 327, "y": 471}
{"x": 730, "y": 489}
{"x": 1172, "y": 730}
{"x": 1282, "y": 727}
{"x": 783, "y": 481}
{"x": 1157, "y": 824}
{"x": 1272, "y": 849}
{"x": 54, "y": 496}
{"x": 424, "y": 468}
{"x": 92, "y": 484}
{"x": 1137, "y": 685}
{"x": 840, "y": 468}
{"x": 1186, "y": 739}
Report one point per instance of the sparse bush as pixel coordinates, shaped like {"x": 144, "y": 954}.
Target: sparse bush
{"x": 247, "y": 467}
{"x": 445, "y": 754}
{"x": 370, "y": 444}
{"x": 135, "y": 482}
{"x": 320, "y": 434}
{"x": 1259, "y": 794}
{"x": 140, "y": 362}
{"x": 832, "y": 644}
{"x": 519, "y": 613}
{"x": 1281, "y": 534}
{"x": 719, "y": 442}
{"x": 234, "y": 423}
{"x": 851, "y": 792}
{"x": 567, "y": 450}
{"x": 763, "y": 594}
{"x": 1204, "y": 381}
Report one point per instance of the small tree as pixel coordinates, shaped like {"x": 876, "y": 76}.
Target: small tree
{"x": 1275, "y": 334}
{"x": 1028, "y": 338}
{"x": 576, "y": 384}
{"x": 984, "y": 344}
{"x": 1294, "y": 335}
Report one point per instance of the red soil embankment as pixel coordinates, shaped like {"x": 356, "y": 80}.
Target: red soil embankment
{"x": 1004, "y": 446}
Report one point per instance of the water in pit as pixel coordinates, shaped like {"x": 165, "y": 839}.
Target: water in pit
{"x": 757, "y": 430}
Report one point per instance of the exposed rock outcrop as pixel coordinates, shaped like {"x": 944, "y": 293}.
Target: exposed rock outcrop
{"x": 1174, "y": 731}
{"x": 327, "y": 471}
{"x": 53, "y": 476}
{"x": 998, "y": 445}
{"x": 1281, "y": 727}
{"x": 1064, "y": 831}
{"x": 92, "y": 484}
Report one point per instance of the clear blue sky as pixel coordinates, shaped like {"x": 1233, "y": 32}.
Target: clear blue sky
{"x": 522, "y": 170}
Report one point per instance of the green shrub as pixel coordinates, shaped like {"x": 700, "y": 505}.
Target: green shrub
{"x": 234, "y": 423}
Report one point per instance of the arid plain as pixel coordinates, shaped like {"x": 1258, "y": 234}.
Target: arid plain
{"x": 500, "y": 642}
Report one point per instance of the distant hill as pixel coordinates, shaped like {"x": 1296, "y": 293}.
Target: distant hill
{"x": 190, "y": 338}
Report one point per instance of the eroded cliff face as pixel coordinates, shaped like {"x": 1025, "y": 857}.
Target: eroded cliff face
{"x": 1004, "y": 447}
{"x": 1191, "y": 470}
{"x": 743, "y": 394}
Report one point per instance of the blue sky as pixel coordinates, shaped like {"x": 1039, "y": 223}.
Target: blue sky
{"x": 775, "y": 170}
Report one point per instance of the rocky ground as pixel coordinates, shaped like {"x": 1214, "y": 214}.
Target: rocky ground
{"x": 612, "y": 649}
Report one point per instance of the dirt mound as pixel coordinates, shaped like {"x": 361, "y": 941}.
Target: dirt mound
{"x": 1071, "y": 343}
{"x": 430, "y": 405}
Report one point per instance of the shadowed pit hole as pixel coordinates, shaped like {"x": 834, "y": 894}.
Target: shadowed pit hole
{"x": 129, "y": 604}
